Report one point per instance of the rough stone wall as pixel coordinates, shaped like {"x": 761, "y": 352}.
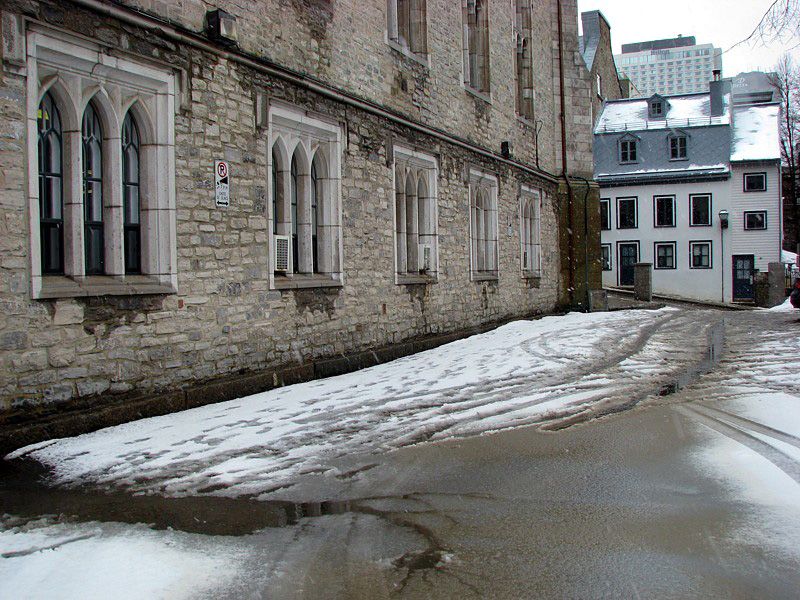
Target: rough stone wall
{"x": 224, "y": 319}
{"x": 604, "y": 66}
{"x": 344, "y": 43}
{"x": 577, "y": 90}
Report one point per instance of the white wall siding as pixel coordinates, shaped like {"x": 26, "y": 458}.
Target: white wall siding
{"x": 764, "y": 245}
{"x": 683, "y": 281}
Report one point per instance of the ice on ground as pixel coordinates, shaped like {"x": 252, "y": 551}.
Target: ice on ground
{"x": 47, "y": 560}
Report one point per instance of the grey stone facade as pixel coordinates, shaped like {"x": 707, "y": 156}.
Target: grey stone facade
{"x": 225, "y": 317}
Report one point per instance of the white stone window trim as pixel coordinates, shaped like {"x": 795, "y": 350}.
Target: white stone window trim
{"x": 421, "y": 167}
{"x": 530, "y": 235}
{"x": 75, "y": 71}
{"x": 292, "y": 128}
{"x": 394, "y": 39}
{"x": 483, "y": 226}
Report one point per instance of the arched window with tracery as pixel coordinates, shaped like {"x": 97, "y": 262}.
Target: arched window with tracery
{"x": 51, "y": 203}
{"x": 131, "y": 197}
{"x": 293, "y": 191}
{"x": 93, "y": 235}
{"x": 530, "y": 209}
{"x": 416, "y": 232}
{"x": 305, "y": 205}
{"x": 483, "y": 225}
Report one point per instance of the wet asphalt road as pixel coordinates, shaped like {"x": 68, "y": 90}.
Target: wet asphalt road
{"x": 626, "y": 506}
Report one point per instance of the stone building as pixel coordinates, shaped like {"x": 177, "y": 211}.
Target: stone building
{"x": 599, "y": 58}
{"x": 199, "y": 201}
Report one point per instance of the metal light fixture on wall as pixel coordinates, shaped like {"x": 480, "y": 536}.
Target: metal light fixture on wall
{"x": 221, "y": 27}
{"x": 723, "y": 225}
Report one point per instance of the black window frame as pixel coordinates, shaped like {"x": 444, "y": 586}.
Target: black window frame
{"x": 605, "y": 261}
{"x": 607, "y": 203}
{"x": 656, "y": 211}
{"x": 674, "y": 247}
{"x": 692, "y": 198}
{"x": 620, "y": 212}
{"x": 749, "y": 213}
{"x": 710, "y": 245}
{"x": 761, "y": 174}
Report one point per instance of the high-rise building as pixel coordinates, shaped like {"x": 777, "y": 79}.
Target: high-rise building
{"x": 672, "y": 66}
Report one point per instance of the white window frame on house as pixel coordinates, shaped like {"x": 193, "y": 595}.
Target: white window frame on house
{"x": 621, "y": 212}
{"x": 628, "y": 150}
{"x": 605, "y": 257}
{"x": 416, "y": 216}
{"x": 305, "y": 207}
{"x": 708, "y": 255}
{"x": 112, "y": 89}
{"x": 657, "y": 264}
{"x": 407, "y": 28}
{"x": 530, "y": 235}
{"x": 749, "y": 187}
{"x": 475, "y": 15}
{"x": 605, "y": 214}
{"x": 483, "y": 226}
{"x": 692, "y": 199}
{"x": 523, "y": 61}
{"x": 755, "y": 220}
{"x": 678, "y": 147}
{"x": 656, "y": 221}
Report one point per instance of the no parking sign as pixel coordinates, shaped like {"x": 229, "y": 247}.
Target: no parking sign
{"x": 223, "y": 186}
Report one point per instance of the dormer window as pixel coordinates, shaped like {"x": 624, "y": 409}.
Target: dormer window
{"x": 657, "y": 107}
{"x": 628, "y": 149}
{"x": 677, "y": 147}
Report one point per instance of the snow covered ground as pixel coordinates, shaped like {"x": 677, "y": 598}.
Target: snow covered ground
{"x": 523, "y": 373}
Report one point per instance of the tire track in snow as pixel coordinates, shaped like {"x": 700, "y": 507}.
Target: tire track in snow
{"x": 784, "y": 462}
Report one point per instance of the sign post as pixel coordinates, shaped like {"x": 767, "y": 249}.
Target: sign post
{"x": 223, "y": 187}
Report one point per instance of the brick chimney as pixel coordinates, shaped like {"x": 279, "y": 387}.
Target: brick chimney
{"x": 717, "y": 90}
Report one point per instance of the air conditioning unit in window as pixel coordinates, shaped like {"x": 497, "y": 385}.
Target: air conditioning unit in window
{"x": 282, "y": 253}
{"x": 425, "y": 258}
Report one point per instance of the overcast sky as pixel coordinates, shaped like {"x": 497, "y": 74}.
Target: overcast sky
{"x": 722, "y": 23}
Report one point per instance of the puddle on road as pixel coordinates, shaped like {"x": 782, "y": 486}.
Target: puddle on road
{"x": 24, "y": 495}
{"x": 716, "y": 348}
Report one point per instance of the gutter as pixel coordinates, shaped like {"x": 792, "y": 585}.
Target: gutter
{"x": 190, "y": 38}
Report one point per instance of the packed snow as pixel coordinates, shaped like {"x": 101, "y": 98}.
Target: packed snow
{"x": 511, "y": 376}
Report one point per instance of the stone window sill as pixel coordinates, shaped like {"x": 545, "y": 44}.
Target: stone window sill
{"x": 298, "y": 281}
{"x": 410, "y": 278}
{"x": 418, "y": 58}
{"x": 485, "y": 96}
{"x": 484, "y": 276}
{"x": 531, "y": 275}
{"x": 58, "y": 286}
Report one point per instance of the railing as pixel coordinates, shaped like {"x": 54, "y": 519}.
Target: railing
{"x": 639, "y": 124}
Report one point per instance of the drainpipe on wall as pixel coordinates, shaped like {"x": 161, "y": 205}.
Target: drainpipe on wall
{"x": 563, "y": 119}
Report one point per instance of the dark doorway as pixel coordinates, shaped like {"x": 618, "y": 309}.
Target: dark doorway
{"x": 628, "y": 256}
{"x": 743, "y": 271}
